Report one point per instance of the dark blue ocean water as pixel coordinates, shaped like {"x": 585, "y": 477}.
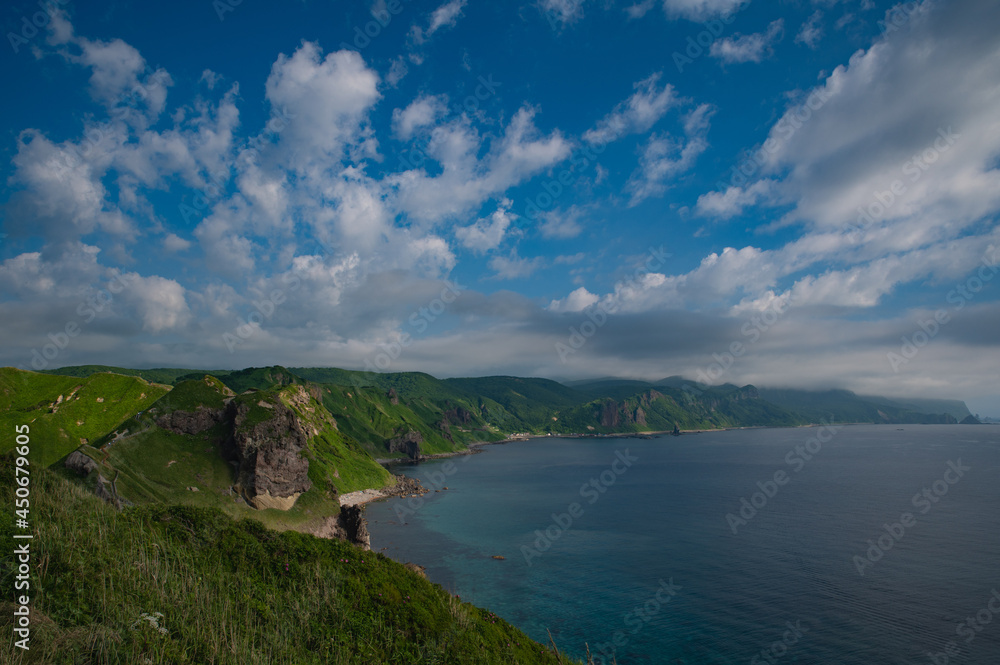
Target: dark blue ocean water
{"x": 662, "y": 520}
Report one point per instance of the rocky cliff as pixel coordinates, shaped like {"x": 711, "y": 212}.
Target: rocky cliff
{"x": 408, "y": 442}
{"x": 268, "y": 442}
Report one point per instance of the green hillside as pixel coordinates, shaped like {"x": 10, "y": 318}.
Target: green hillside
{"x": 155, "y": 465}
{"x": 165, "y": 375}
{"x": 65, "y": 412}
{"x": 183, "y": 585}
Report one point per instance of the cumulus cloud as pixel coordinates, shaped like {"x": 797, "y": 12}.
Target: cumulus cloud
{"x": 466, "y": 180}
{"x": 486, "y": 233}
{"x": 423, "y": 111}
{"x": 326, "y": 98}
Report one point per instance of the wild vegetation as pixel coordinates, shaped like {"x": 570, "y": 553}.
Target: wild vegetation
{"x": 180, "y": 584}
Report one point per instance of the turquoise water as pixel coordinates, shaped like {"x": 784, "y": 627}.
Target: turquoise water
{"x": 647, "y": 566}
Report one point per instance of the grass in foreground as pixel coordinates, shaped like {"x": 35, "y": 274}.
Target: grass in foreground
{"x": 177, "y": 584}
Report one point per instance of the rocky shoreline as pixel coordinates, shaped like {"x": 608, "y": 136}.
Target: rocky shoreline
{"x": 404, "y": 486}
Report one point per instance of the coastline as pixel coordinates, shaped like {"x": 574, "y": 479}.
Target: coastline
{"x": 407, "y": 486}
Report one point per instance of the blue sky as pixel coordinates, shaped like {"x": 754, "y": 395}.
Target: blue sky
{"x": 798, "y": 193}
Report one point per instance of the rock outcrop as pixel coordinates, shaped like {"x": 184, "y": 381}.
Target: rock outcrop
{"x": 272, "y": 471}
{"x": 80, "y": 463}
{"x": 191, "y": 422}
{"x": 349, "y": 525}
{"x": 408, "y": 443}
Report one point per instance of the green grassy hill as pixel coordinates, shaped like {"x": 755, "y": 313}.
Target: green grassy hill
{"x": 165, "y": 375}
{"x": 65, "y": 412}
{"x": 184, "y": 585}
{"x": 156, "y": 465}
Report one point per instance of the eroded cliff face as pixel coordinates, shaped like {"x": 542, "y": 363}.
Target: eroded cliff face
{"x": 408, "y": 443}
{"x": 272, "y": 471}
{"x": 615, "y": 414}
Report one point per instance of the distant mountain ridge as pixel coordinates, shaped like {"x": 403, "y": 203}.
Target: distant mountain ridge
{"x": 287, "y": 442}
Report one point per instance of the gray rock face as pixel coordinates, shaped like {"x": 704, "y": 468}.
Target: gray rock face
{"x": 80, "y": 463}
{"x": 190, "y": 422}
{"x": 408, "y": 443}
{"x": 355, "y": 528}
{"x": 272, "y": 471}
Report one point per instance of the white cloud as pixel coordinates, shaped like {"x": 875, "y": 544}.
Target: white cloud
{"x": 700, "y": 10}
{"x": 466, "y": 181}
{"x": 561, "y": 223}
{"x": 811, "y": 31}
{"x": 397, "y": 70}
{"x": 423, "y": 111}
{"x": 664, "y": 158}
{"x": 445, "y": 16}
{"x": 748, "y": 48}
{"x": 325, "y": 97}
{"x": 639, "y": 9}
{"x": 576, "y": 301}
{"x": 174, "y": 243}
{"x": 734, "y": 200}
{"x": 487, "y": 233}
{"x": 561, "y": 12}
{"x": 159, "y": 302}
{"x": 513, "y": 266}
{"x": 636, "y": 114}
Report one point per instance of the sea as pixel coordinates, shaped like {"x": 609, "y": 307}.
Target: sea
{"x": 853, "y": 544}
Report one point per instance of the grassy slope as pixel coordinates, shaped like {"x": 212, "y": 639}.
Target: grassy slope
{"x": 166, "y": 375}
{"x": 228, "y": 592}
{"x": 368, "y": 415}
{"x": 157, "y": 466}
{"x": 716, "y": 407}
{"x": 29, "y": 397}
